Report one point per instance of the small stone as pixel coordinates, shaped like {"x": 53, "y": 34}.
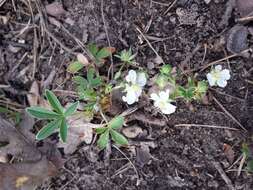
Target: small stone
{"x": 237, "y": 39}
{"x": 207, "y": 1}
{"x": 132, "y": 132}
{"x": 70, "y": 21}
{"x": 55, "y": 9}
{"x": 82, "y": 59}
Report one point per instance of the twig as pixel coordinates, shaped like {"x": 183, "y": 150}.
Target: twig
{"x": 206, "y": 126}
{"x": 70, "y": 51}
{"x": 2, "y": 2}
{"x": 249, "y": 81}
{"x": 128, "y": 160}
{"x": 172, "y": 4}
{"x": 223, "y": 59}
{"x": 229, "y": 114}
{"x": 107, "y": 37}
{"x": 220, "y": 61}
{"x": 159, "y": 3}
{"x": 241, "y": 164}
{"x": 223, "y": 175}
{"x": 149, "y": 44}
{"x": 204, "y": 57}
{"x": 228, "y": 95}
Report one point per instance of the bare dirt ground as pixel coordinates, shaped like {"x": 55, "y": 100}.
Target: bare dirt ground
{"x": 187, "y": 34}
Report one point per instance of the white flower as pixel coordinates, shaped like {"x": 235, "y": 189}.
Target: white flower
{"x": 218, "y": 77}
{"x": 135, "y": 83}
{"x": 162, "y": 101}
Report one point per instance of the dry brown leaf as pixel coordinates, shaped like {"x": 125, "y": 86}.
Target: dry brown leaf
{"x": 80, "y": 130}
{"x": 132, "y": 132}
{"x": 55, "y": 9}
{"x": 229, "y": 152}
{"x": 82, "y": 59}
{"x": 33, "y": 95}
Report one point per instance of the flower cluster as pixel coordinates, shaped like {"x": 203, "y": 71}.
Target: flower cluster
{"x": 135, "y": 81}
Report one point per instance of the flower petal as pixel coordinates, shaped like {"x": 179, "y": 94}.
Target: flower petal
{"x": 164, "y": 95}
{"x": 130, "y": 97}
{"x": 210, "y": 79}
{"x": 218, "y": 68}
{"x": 225, "y": 74}
{"x": 141, "y": 79}
{"x": 169, "y": 109}
{"x": 154, "y": 97}
{"x": 131, "y": 77}
{"x": 222, "y": 83}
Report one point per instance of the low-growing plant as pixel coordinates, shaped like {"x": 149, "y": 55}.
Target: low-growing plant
{"x": 16, "y": 116}
{"x": 126, "y": 57}
{"x": 193, "y": 90}
{"x": 248, "y": 157}
{"x": 111, "y": 130}
{"x": 99, "y": 54}
{"x": 57, "y": 117}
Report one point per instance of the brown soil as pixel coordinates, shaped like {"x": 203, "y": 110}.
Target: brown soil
{"x": 180, "y": 157}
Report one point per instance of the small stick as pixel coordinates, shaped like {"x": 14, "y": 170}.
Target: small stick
{"x": 149, "y": 44}
{"x": 223, "y": 59}
{"x": 129, "y": 161}
{"x": 249, "y": 81}
{"x": 107, "y": 37}
{"x": 223, "y": 175}
{"x": 172, "y": 4}
{"x": 206, "y": 126}
{"x": 229, "y": 114}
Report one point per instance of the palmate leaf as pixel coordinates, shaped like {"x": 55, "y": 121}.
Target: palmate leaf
{"x": 101, "y": 130}
{"x": 49, "y": 129}
{"x": 75, "y": 67}
{"x": 63, "y": 130}
{"x": 103, "y": 140}
{"x": 71, "y": 109}
{"x": 93, "y": 49}
{"x": 54, "y": 102}
{"x": 116, "y": 123}
{"x": 103, "y": 53}
{"x": 118, "y": 138}
{"x": 41, "y": 113}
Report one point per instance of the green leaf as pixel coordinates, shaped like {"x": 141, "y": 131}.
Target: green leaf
{"x": 250, "y": 165}
{"x": 93, "y": 81}
{"x": 166, "y": 69}
{"x": 75, "y": 67}
{"x": 118, "y": 138}
{"x": 101, "y": 130}
{"x": 202, "y": 87}
{"x": 71, "y": 109}
{"x": 103, "y": 53}
{"x": 80, "y": 81}
{"x": 49, "y": 129}
{"x": 103, "y": 140}
{"x": 93, "y": 49}
{"x": 191, "y": 83}
{"x": 116, "y": 123}
{"x": 245, "y": 149}
{"x": 162, "y": 81}
{"x": 54, "y": 102}
{"x": 41, "y": 113}
{"x": 63, "y": 130}
{"x": 117, "y": 75}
